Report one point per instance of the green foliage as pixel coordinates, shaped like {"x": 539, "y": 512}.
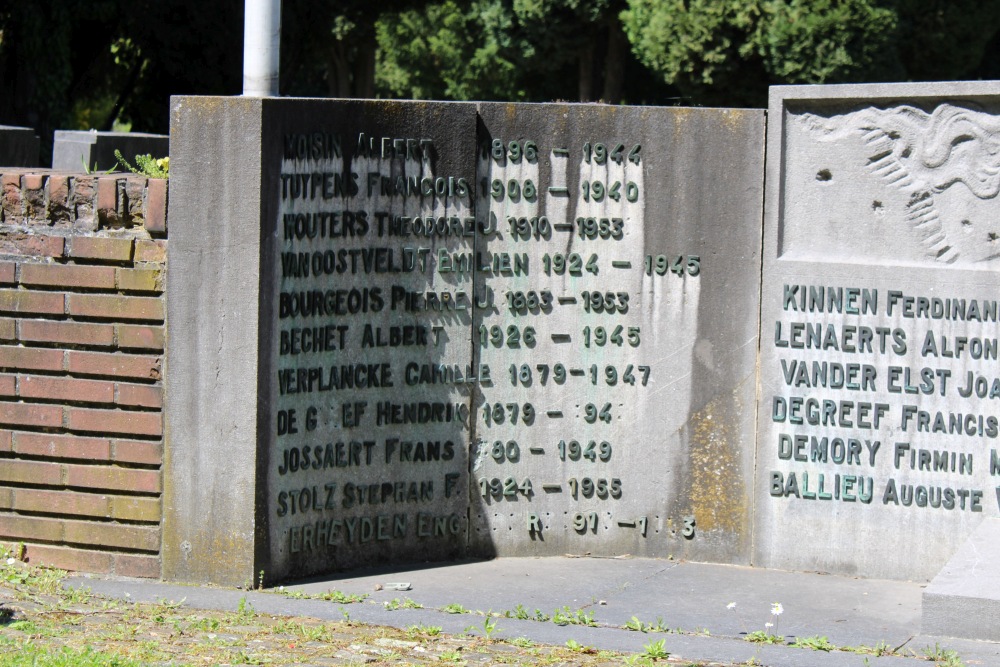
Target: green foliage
{"x": 566, "y": 616}
{"x": 147, "y": 165}
{"x": 405, "y": 603}
{"x": 732, "y": 49}
{"x": 816, "y": 643}
{"x": 429, "y": 630}
{"x": 455, "y": 608}
{"x": 656, "y": 650}
{"x": 943, "y": 657}
{"x": 489, "y": 626}
{"x": 451, "y": 51}
{"x": 763, "y": 637}
{"x": 29, "y": 655}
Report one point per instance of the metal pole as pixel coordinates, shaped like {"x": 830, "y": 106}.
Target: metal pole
{"x": 261, "y": 47}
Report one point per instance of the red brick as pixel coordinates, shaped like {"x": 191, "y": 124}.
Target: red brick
{"x": 31, "y": 472}
{"x": 113, "y": 478}
{"x": 65, "y": 389}
{"x": 6, "y": 441}
{"x": 81, "y": 202}
{"x": 7, "y": 270}
{"x": 6, "y": 499}
{"x": 30, "y": 528}
{"x": 150, "y": 251}
{"x": 112, "y": 421}
{"x": 140, "y": 280}
{"x": 61, "y": 502}
{"x": 7, "y": 385}
{"x": 105, "y": 248}
{"x": 74, "y": 333}
{"x": 33, "y": 181}
{"x": 62, "y": 446}
{"x": 63, "y": 275}
{"x": 136, "y": 508}
{"x": 35, "y": 303}
{"x": 31, "y": 245}
{"x": 33, "y": 186}
{"x": 31, "y": 414}
{"x": 134, "y": 191}
{"x": 111, "y": 364}
{"x": 10, "y": 199}
{"x": 115, "y": 535}
{"x": 8, "y": 329}
{"x": 59, "y": 209}
{"x": 138, "y": 336}
{"x": 137, "y": 451}
{"x": 65, "y": 558}
{"x": 137, "y": 395}
{"x": 31, "y": 358}
{"x": 134, "y": 565}
{"x": 156, "y": 206}
{"x": 107, "y": 200}
{"x": 115, "y": 307}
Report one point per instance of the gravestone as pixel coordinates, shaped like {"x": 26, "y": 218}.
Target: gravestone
{"x": 409, "y": 331}
{"x": 73, "y": 150}
{"x": 620, "y": 278}
{"x": 18, "y": 147}
{"x": 878, "y": 417}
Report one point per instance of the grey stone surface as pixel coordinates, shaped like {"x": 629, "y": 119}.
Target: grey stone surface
{"x": 630, "y": 413}
{"x": 885, "y": 196}
{"x": 385, "y": 194}
{"x": 339, "y": 332}
{"x": 287, "y": 451}
{"x": 963, "y": 600}
{"x": 19, "y": 147}
{"x": 214, "y": 518}
{"x": 73, "y": 150}
{"x": 688, "y": 596}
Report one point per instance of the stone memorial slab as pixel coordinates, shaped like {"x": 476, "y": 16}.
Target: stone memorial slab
{"x": 73, "y": 150}
{"x": 878, "y": 418}
{"x": 19, "y": 147}
{"x": 347, "y": 353}
{"x": 614, "y": 310}
{"x": 414, "y": 331}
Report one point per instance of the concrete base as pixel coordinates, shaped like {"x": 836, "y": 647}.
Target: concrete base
{"x": 963, "y": 600}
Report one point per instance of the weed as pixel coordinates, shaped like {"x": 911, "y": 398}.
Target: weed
{"x": 521, "y": 642}
{"x": 451, "y": 656}
{"x": 429, "y": 630}
{"x": 455, "y": 608}
{"x": 566, "y": 616}
{"x": 146, "y": 165}
{"x": 763, "y": 637}
{"x": 489, "y": 626}
{"x": 574, "y": 645}
{"x": 405, "y": 603}
{"x": 943, "y": 657}
{"x": 636, "y": 625}
{"x": 656, "y": 650}
{"x": 816, "y": 643}
{"x": 518, "y": 612}
{"x": 245, "y": 611}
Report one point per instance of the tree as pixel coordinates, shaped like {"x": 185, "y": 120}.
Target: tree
{"x": 729, "y": 51}
{"x": 527, "y": 50}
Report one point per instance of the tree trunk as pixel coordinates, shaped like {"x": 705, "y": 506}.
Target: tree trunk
{"x": 614, "y": 62}
{"x": 586, "y": 82}
{"x": 338, "y": 71}
{"x": 364, "y": 71}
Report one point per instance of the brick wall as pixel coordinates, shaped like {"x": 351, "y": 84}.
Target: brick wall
{"x": 82, "y": 270}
